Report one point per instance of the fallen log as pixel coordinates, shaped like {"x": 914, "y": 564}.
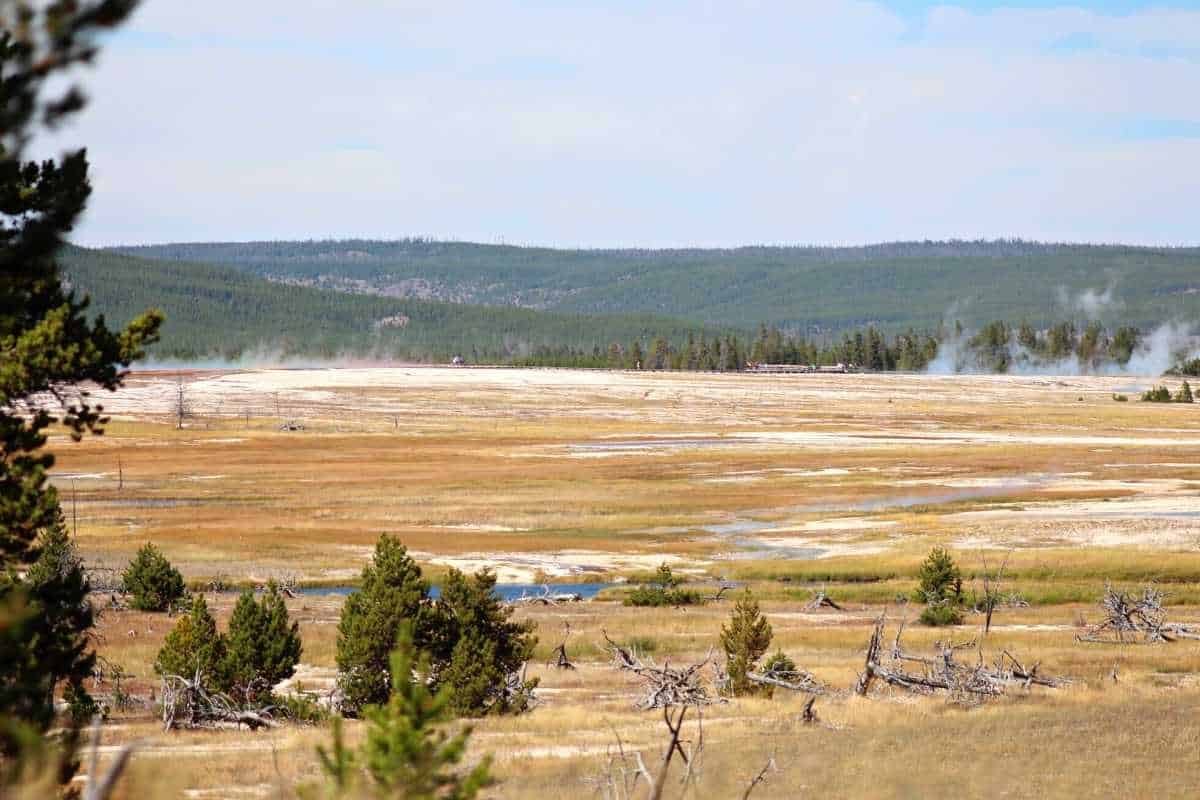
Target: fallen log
{"x": 942, "y": 672}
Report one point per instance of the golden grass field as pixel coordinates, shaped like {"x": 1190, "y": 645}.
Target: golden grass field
{"x": 786, "y": 483}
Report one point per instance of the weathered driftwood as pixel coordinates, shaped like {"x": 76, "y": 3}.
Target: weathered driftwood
{"x": 797, "y": 680}
{"x": 546, "y": 598}
{"x": 725, "y": 587}
{"x": 666, "y": 685}
{"x": 822, "y": 600}
{"x": 943, "y": 672}
{"x": 1131, "y": 619}
{"x": 186, "y": 702}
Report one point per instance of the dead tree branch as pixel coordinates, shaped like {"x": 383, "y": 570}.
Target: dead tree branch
{"x": 822, "y": 600}
{"x": 1130, "y": 619}
{"x": 942, "y": 672}
{"x": 559, "y": 655}
{"x": 666, "y": 686}
{"x": 761, "y": 777}
{"x": 188, "y": 703}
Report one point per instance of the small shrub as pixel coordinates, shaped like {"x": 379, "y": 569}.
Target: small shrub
{"x": 194, "y": 645}
{"x": 941, "y": 579}
{"x": 1159, "y": 394}
{"x": 940, "y": 614}
{"x": 665, "y": 578}
{"x": 1120, "y": 398}
{"x": 780, "y": 665}
{"x": 663, "y": 590}
{"x": 655, "y": 596}
{"x": 154, "y": 584}
{"x": 745, "y": 639}
{"x": 302, "y": 709}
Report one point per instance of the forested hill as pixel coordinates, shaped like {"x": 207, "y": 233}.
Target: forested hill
{"x": 224, "y": 313}
{"x": 894, "y": 285}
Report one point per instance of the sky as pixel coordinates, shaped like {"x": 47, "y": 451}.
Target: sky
{"x": 652, "y": 124}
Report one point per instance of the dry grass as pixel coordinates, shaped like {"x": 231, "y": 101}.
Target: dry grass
{"x": 873, "y": 470}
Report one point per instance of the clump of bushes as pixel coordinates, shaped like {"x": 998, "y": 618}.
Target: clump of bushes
{"x": 940, "y": 589}
{"x": 663, "y": 590}
{"x": 1120, "y": 398}
{"x": 940, "y": 614}
{"x": 261, "y": 648}
{"x": 152, "y": 582}
{"x": 474, "y": 648}
{"x": 1161, "y": 394}
{"x": 411, "y": 747}
{"x": 1191, "y": 367}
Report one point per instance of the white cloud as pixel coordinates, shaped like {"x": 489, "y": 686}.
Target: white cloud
{"x": 676, "y": 123}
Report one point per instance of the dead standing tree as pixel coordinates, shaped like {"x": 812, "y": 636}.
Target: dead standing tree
{"x": 943, "y": 672}
{"x": 1130, "y": 619}
{"x": 182, "y": 408}
{"x": 559, "y": 655}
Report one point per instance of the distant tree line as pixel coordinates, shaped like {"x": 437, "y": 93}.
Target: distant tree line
{"x": 1000, "y": 347}
{"x": 867, "y": 348}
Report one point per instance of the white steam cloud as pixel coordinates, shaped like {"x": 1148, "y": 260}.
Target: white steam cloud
{"x": 1090, "y": 303}
{"x": 1166, "y": 346}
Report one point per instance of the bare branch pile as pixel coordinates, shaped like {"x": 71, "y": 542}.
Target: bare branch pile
{"x": 187, "y": 703}
{"x": 1130, "y": 618}
{"x": 943, "y": 672}
{"x": 665, "y": 686}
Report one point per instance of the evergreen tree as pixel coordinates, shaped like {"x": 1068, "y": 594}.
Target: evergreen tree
{"x": 1184, "y": 395}
{"x": 51, "y": 347}
{"x": 488, "y": 647}
{"x": 940, "y": 578}
{"x": 59, "y": 616}
{"x": 1124, "y": 342}
{"x": 194, "y": 645}
{"x": 152, "y": 581}
{"x": 615, "y": 356}
{"x": 1027, "y": 337}
{"x": 407, "y": 752}
{"x": 262, "y": 647}
{"x": 744, "y": 639}
{"x": 393, "y": 592}
{"x": 637, "y": 360}
{"x": 661, "y": 355}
